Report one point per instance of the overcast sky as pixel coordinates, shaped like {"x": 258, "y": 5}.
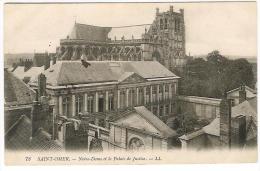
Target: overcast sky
{"x": 227, "y": 27}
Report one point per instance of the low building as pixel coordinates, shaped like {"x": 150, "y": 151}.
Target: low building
{"x": 236, "y": 94}
{"x": 235, "y": 127}
{"x": 140, "y": 129}
{"x": 203, "y": 107}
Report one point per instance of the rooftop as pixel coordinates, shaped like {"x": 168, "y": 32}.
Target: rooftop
{"x": 164, "y": 130}
{"x": 18, "y": 137}
{"x": 73, "y": 72}
{"x": 16, "y": 92}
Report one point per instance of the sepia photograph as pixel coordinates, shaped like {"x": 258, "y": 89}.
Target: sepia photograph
{"x": 130, "y": 83}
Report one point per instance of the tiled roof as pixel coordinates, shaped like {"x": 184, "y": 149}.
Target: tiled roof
{"x": 73, "y": 72}
{"x": 89, "y": 32}
{"x": 18, "y": 137}
{"x": 16, "y": 92}
{"x": 128, "y": 32}
{"x": 155, "y": 121}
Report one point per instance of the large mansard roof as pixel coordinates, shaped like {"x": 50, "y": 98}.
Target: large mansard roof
{"x": 73, "y": 72}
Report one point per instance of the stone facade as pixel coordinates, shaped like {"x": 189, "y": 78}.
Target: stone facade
{"x": 163, "y": 40}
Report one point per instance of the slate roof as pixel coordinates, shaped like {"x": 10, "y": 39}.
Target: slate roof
{"x": 73, "y": 72}
{"x": 16, "y": 92}
{"x": 164, "y": 130}
{"x": 89, "y": 32}
{"x": 128, "y": 31}
{"x": 18, "y": 137}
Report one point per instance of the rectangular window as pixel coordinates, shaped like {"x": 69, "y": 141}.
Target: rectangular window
{"x": 111, "y": 102}
{"x": 66, "y": 106}
{"x": 91, "y": 104}
{"x": 166, "y": 109}
{"x": 160, "y": 93}
{"x": 161, "y": 111}
{"x": 166, "y": 93}
{"x": 122, "y": 99}
{"x": 79, "y": 104}
{"x": 147, "y": 94}
{"x": 154, "y": 91}
{"x": 140, "y": 96}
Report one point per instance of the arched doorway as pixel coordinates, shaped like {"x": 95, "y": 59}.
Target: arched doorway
{"x": 136, "y": 144}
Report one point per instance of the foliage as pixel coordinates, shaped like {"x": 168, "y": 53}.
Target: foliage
{"x": 212, "y": 76}
{"x": 185, "y": 123}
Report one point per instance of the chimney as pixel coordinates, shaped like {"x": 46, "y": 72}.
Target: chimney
{"x": 182, "y": 12}
{"x": 47, "y": 60}
{"x": 242, "y": 94}
{"x": 157, "y": 11}
{"x": 27, "y": 65}
{"x": 238, "y": 130}
{"x": 54, "y": 60}
{"x": 35, "y": 116}
{"x": 225, "y": 122}
{"x": 171, "y": 9}
{"x": 41, "y": 85}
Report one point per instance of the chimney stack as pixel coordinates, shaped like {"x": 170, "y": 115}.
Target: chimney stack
{"x": 35, "y": 116}
{"x": 27, "y": 65}
{"x": 182, "y": 12}
{"x": 238, "y": 129}
{"x": 242, "y": 94}
{"x": 171, "y": 9}
{"x": 157, "y": 11}
{"x": 54, "y": 58}
{"x": 225, "y": 122}
{"x": 47, "y": 61}
{"x": 41, "y": 85}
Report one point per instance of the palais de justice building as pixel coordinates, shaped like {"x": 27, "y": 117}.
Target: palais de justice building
{"x": 163, "y": 40}
{"x": 107, "y": 88}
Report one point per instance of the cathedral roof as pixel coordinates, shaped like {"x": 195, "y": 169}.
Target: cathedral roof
{"x": 89, "y": 32}
{"x": 73, "y": 72}
{"x": 128, "y": 32}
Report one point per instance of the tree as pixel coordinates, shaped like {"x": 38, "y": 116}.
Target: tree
{"x": 213, "y": 76}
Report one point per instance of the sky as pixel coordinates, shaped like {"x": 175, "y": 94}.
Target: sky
{"x": 229, "y": 27}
